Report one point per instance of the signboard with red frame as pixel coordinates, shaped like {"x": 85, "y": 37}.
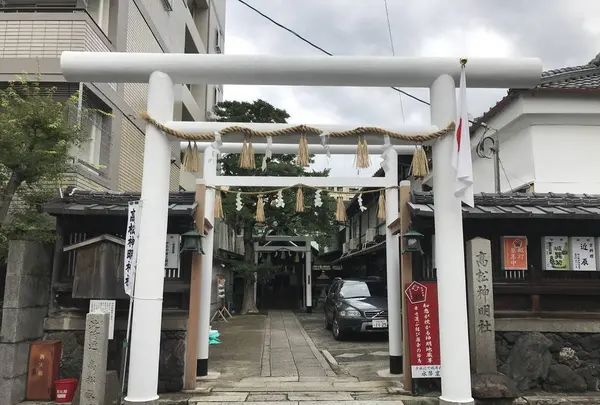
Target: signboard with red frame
{"x": 423, "y": 329}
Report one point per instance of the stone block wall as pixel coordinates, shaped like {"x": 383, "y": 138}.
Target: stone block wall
{"x": 172, "y": 356}
{"x": 554, "y": 362}
{"x": 26, "y": 298}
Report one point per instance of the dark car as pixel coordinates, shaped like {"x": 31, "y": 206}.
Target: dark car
{"x": 356, "y": 306}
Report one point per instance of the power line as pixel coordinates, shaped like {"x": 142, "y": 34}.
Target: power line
{"x": 303, "y": 39}
{"x": 389, "y": 25}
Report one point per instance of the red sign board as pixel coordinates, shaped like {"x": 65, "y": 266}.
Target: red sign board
{"x": 423, "y": 329}
{"x": 515, "y": 253}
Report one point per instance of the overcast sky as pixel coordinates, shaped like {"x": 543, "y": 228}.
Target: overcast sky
{"x": 560, "y": 32}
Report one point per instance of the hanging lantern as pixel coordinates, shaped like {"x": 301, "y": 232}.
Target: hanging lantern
{"x": 412, "y": 241}
{"x": 191, "y": 241}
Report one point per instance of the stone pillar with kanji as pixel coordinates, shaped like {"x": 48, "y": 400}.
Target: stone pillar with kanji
{"x": 480, "y": 293}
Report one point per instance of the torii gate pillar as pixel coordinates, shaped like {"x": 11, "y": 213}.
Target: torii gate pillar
{"x": 449, "y": 255}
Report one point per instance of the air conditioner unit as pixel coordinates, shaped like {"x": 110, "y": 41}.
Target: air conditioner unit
{"x": 352, "y": 244}
{"x": 345, "y": 248}
{"x": 370, "y": 235}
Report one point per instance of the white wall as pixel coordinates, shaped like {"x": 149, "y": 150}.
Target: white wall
{"x": 567, "y": 159}
{"x": 169, "y": 24}
{"x": 548, "y": 139}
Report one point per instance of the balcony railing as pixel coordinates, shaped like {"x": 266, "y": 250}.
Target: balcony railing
{"x": 15, "y": 5}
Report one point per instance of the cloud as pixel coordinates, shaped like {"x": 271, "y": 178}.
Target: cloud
{"x": 561, "y": 33}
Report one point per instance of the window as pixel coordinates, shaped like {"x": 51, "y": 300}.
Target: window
{"x": 218, "y": 41}
{"x": 217, "y": 96}
{"x": 361, "y": 289}
{"x": 89, "y": 152}
{"x": 99, "y": 11}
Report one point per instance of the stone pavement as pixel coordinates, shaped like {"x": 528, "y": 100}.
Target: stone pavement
{"x": 285, "y": 368}
{"x": 361, "y": 356}
{"x": 288, "y": 351}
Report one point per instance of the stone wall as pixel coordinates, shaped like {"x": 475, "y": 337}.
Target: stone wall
{"x": 172, "y": 356}
{"x": 26, "y": 298}
{"x": 554, "y": 362}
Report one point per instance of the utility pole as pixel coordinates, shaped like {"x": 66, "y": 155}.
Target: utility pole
{"x": 496, "y": 150}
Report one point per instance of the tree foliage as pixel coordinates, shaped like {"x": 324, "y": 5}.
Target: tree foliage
{"x": 316, "y": 222}
{"x": 37, "y": 134}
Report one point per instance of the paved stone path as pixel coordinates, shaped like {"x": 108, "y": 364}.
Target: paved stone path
{"x": 292, "y": 372}
{"x": 288, "y": 351}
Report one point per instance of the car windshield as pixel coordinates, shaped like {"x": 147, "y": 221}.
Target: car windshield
{"x": 361, "y": 289}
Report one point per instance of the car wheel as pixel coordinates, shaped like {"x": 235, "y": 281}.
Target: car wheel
{"x": 327, "y": 323}
{"x": 337, "y": 332}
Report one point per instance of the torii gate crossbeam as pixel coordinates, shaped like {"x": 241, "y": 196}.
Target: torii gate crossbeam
{"x": 161, "y": 71}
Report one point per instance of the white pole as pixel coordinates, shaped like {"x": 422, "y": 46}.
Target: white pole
{"x": 449, "y": 255}
{"x": 210, "y": 171}
{"x": 147, "y": 310}
{"x": 392, "y": 256}
{"x": 308, "y": 281}
{"x": 290, "y": 181}
{"x": 283, "y": 70}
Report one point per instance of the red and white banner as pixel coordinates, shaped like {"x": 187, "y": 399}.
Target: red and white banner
{"x": 423, "y": 329}
{"x": 461, "y": 152}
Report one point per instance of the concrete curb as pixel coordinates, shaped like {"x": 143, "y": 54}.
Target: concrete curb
{"x": 330, "y": 359}
{"x": 265, "y": 366}
{"x": 328, "y": 370}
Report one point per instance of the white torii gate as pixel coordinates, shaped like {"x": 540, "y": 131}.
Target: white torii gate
{"x": 162, "y": 71}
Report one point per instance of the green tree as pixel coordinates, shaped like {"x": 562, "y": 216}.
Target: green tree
{"x": 37, "y": 133}
{"x": 316, "y": 222}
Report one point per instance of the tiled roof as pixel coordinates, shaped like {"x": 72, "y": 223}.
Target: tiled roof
{"x": 111, "y": 203}
{"x": 517, "y": 205}
{"x": 584, "y": 77}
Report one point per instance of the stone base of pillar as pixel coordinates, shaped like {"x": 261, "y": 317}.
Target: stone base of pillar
{"x": 201, "y": 367}
{"x": 309, "y": 310}
{"x": 396, "y": 365}
{"x": 151, "y": 402}
{"x": 449, "y": 402}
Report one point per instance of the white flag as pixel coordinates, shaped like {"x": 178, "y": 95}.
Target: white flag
{"x": 461, "y": 152}
{"x": 132, "y": 235}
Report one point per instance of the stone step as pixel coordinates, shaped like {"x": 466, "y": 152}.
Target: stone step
{"x": 261, "y": 380}
{"x": 193, "y": 401}
{"x": 299, "y": 386}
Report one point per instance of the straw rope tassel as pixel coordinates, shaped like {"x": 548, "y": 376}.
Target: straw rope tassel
{"x": 299, "y": 200}
{"x": 362, "y": 154}
{"x": 340, "y": 212}
{"x": 195, "y": 158}
{"x": 302, "y": 158}
{"x": 218, "y": 205}
{"x": 419, "y": 166}
{"x": 247, "y": 156}
{"x": 381, "y": 205}
{"x": 260, "y": 210}
{"x": 187, "y": 156}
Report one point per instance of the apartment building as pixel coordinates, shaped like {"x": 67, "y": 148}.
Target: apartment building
{"x": 34, "y": 33}
{"x": 343, "y": 192}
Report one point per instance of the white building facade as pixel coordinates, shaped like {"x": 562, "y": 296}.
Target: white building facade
{"x": 548, "y": 138}
{"x": 33, "y": 35}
